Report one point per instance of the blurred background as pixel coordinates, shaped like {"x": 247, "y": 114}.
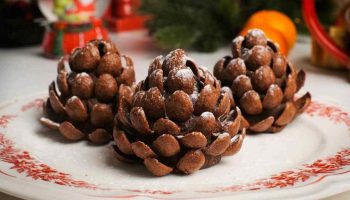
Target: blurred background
{"x": 204, "y": 26}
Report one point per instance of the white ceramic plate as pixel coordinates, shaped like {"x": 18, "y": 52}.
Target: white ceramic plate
{"x": 309, "y": 159}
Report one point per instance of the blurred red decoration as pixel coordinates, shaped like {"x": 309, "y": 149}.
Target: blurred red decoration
{"x": 62, "y": 37}
{"x": 321, "y": 35}
{"x": 76, "y": 26}
{"x": 121, "y": 16}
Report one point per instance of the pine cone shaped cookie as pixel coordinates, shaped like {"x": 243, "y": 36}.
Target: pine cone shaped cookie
{"x": 263, "y": 83}
{"x": 85, "y": 103}
{"x": 179, "y": 120}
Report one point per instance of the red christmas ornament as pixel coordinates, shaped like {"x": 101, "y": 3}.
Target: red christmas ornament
{"x": 120, "y": 16}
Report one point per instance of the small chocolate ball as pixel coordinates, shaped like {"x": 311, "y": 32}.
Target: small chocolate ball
{"x": 207, "y": 99}
{"x": 155, "y": 79}
{"x": 251, "y": 103}
{"x": 263, "y": 78}
{"x": 174, "y": 60}
{"x": 273, "y": 97}
{"x": 257, "y": 56}
{"x": 279, "y": 64}
{"x": 179, "y": 106}
{"x": 255, "y": 37}
{"x": 219, "y": 67}
{"x": 110, "y": 63}
{"x": 166, "y": 126}
{"x": 192, "y": 161}
{"x": 166, "y": 145}
{"x": 229, "y": 92}
{"x": 101, "y": 115}
{"x": 182, "y": 79}
{"x": 153, "y": 103}
{"x": 84, "y": 59}
{"x": 83, "y": 85}
{"x": 76, "y": 110}
{"x": 206, "y": 123}
{"x": 233, "y": 69}
{"x": 106, "y": 87}
{"x": 236, "y": 47}
{"x": 127, "y": 75}
{"x": 241, "y": 85}
{"x": 137, "y": 99}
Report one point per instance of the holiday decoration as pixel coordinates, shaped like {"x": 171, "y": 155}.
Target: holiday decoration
{"x": 179, "y": 120}
{"x": 86, "y": 102}
{"x": 74, "y": 11}
{"x": 76, "y": 25}
{"x": 277, "y": 27}
{"x": 320, "y": 57}
{"x": 263, "y": 83}
{"x": 121, "y": 16}
{"x": 206, "y": 25}
{"x": 330, "y": 48}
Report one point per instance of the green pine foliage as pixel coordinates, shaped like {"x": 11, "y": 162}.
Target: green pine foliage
{"x": 200, "y": 24}
{"x": 205, "y": 25}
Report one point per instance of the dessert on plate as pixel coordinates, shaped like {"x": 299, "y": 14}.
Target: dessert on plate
{"x": 180, "y": 119}
{"x": 263, "y": 83}
{"x": 84, "y": 103}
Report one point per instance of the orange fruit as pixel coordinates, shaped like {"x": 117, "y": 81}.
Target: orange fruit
{"x": 274, "y": 21}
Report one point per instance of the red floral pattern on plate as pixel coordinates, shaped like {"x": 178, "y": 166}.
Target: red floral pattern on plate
{"x": 152, "y": 191}
{"x": 318, "y": 169}
{"x": 37, "y": 103}
{"x": 22, "y": 162}
{"x": 332, "y": 113}
{"x": 5, "y": 119}
{"x": 329, "y": 166}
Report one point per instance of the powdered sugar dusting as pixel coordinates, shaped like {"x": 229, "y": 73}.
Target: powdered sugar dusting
{"x": 73, "y": 98}
{"x": 260, "y": 73}
{"x": 239, "y": 78}
{"x": 152, "y": 94}
{"x": 238, "y": 39}
{"x": 239, "y": 61}
{"x": 155, "y": 64}
{"x": 272, "y": 89}
{"x": 194, "y": 97}
{"x": 207, "y": 88}
{"x": 184, "y": 74}
{"x": 207, "y": 115}
{"x": 176, "y": 59}
{"x": 256, "y": 32}
{"x": 83, "y": 74}
{"x": 224, "y": 134}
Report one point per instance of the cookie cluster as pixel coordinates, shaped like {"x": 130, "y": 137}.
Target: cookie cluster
{"x": 84, "y": 102}
{"x": 263, "y": 83}
{"x": 179, "y": 119}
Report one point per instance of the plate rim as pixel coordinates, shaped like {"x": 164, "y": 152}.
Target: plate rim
{"x": 43, "y": 95}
